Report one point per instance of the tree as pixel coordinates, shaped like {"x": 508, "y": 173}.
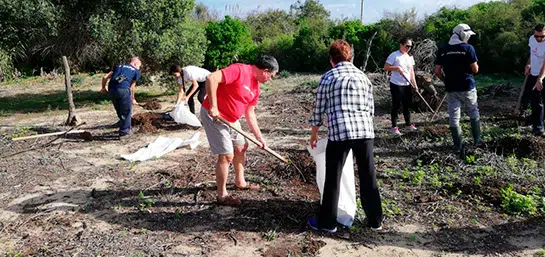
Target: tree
{"x": 229, "y": 41}
{"x": 269, "y": 24}
{"x": 310, "y": 9}
{"x": 157, "y": 30}
{"x": 439, "y": 25}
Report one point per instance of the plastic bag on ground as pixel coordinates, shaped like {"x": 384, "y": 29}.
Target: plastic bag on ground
{"x": 346, "y": 210}
{"x": 182, "y": 115}
{"x": 162, "y": 146}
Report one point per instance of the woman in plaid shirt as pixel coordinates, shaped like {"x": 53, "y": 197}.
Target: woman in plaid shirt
{"x": 345, "y": 95}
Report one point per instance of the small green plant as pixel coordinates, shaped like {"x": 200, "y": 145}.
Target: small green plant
{"x": 270, "y": 235}
{"x": 470, "y": 159}
{"x": 418, "y": 177}
{"x": 123, "y": 234}
{"x": 435, "y": 181}
{"x": 15, "y": 254}
{"x": 517, "y": 204}
{"x": 141, "y": 195}
{"x": 360, "y": 214}
{"x": 96, "y": 108}
{"x": 540, "y": 253}
{"x": 143, "y": 230}
{"x": 542, "y": 208}
{"x": 412, "y": 237}
{"x": 84, "y": 208}
{"x": 512, "y": 162}
{"x": 390, "y": 208}
{"x": 477, "y": 180}
{"x": 355, "y": 229}
{"x": 178, "y": 213}
{"x": 528, "y": 163}
{"x": 147, "y": 204}
{"x": 485, "y": 170}
{"x": 76, "y": 81}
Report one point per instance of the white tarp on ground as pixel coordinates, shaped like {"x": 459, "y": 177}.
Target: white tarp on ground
{"x": 162, "y": 146}
{"x": 346, "y": 210}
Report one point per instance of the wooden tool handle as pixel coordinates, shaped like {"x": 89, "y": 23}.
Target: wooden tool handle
{"x": 244, "y": 134}
{"x": 49, "y": 134}
{"x": 418, "y": 93}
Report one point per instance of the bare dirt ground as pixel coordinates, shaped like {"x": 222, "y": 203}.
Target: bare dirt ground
{"x": 73, "y": 197}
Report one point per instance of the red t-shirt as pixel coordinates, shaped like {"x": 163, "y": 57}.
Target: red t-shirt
{"x": 240, "y": 90}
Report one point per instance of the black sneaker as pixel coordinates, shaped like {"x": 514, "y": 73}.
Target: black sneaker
{"x": 131, "y": 131}
{"x": 313, "y": 223}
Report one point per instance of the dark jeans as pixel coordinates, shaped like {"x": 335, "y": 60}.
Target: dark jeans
{"x": 201, "y": 93}
{"x": 336, "y": 153}
{"x": 527, "y": 95}
{"x": 538, "y": 98}
{"x": 122, "y": 100}
{"x": 401, "y": 95}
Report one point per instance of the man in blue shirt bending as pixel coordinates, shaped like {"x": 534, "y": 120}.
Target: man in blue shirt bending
{"x": 455, "y": 65}
{"x": 123, "y": 80}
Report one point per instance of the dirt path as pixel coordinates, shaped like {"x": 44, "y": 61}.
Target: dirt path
{"x": 77, "y": 198}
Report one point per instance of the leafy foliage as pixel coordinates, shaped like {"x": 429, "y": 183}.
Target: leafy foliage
{"x": 517, "y": 204}
{"x": 229, "y": 41}
{"x": 270, "y": 24}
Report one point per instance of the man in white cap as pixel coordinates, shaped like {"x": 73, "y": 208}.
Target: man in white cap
{"x": 455, "y": 65}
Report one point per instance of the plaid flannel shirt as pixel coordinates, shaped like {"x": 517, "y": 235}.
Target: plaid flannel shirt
{"x": 345, "y": 95}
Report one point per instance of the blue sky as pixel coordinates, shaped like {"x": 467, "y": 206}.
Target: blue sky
{"x": 374, "y": 9}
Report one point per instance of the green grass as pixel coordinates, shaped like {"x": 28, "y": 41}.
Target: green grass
{"x": 498, "y": 79}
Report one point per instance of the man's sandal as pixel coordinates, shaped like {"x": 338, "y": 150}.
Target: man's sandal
{"x": 229, "y": 201}
{"x": 248, "y": 186}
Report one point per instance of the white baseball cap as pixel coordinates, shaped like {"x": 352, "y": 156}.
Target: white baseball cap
{"x": 463, "y": 28}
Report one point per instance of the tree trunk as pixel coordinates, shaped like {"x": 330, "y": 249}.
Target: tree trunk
{"x": 72, "y": 120}
{"x": 369, "y": 43}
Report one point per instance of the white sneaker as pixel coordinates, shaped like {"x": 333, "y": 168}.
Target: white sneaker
{"x": 395, "y": 131}
{"x": 412, "y": 128}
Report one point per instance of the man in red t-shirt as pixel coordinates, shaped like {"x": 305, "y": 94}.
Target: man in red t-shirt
{"x": 231, "y": 93}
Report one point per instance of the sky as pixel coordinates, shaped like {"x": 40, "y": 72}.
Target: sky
{"x": 374, "y": 9}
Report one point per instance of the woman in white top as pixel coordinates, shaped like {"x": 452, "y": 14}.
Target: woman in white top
{"x": 197, "y": 76}
{"x": 401, "y": 66}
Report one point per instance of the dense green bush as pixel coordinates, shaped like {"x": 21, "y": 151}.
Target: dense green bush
{"x": 229, "y": 41}
{"x": 6, "y": 66}
{"x": 279, "y": 47}
{"x": 158, "y": 31}
{"x": 270, "y": 24}
{"x": 309, "y": 51}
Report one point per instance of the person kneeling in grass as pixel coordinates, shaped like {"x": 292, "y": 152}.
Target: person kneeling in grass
{"x": 345, "y": 95}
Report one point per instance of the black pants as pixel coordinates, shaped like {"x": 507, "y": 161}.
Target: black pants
{"x": 201, "y": 93}
{"x": 336, "y": 154}
{"x": 527, "y": 95}
{"x": 401, "y": 95}
{"x": 538, "y": 98}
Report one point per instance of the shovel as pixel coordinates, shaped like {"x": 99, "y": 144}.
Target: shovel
{"x": 269, "y": 150}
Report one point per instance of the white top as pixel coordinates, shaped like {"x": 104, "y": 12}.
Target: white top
{"x": 406, "y": 62}
{"x": 194, "y": 72}
{"x": 537, "y": 55}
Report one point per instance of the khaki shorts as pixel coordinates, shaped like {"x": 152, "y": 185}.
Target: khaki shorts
{"x": 221, "y": 137}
